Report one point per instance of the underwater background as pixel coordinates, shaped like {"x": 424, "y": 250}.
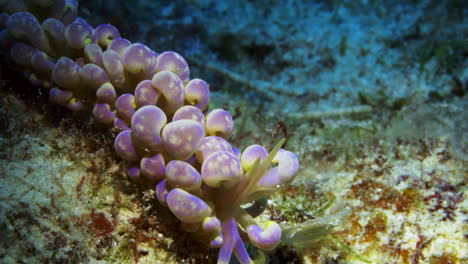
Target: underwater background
{"x": 370, "y": 95}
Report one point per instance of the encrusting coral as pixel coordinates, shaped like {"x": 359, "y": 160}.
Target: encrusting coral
{"x": 166, "y": 134}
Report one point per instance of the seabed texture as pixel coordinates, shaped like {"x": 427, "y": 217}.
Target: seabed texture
{"x": 371, "y": 96}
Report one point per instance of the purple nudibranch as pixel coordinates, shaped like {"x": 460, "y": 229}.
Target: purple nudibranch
{"x": 167, "y": 136}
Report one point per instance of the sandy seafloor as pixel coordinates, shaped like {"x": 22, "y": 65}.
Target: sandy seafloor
{"x": 371, "y": 96}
